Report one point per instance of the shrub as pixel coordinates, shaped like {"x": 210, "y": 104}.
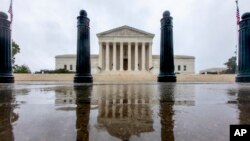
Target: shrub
{"x": 22, "y": 69}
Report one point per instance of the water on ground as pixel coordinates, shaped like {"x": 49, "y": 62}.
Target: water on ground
{"x": 122, "y": 112}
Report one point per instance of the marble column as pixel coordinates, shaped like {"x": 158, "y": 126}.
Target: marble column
{"x": 107, "y": 56}
{"x": 114, "y": 56}
{"x": 150, "y": 55}
{"x": 121, "y": 56}
{"x": 100, "y": 55}
{"x": 136, "y": 56}
{"x": 129, "y": 56}
{"x": 143, "y": 57}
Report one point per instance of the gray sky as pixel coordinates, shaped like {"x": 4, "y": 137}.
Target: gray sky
{"x": 205, "y": 29}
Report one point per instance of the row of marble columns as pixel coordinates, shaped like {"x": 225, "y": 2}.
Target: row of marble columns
{"x": 116, "y": 107}
{"x": 117, "y": 111}
{"x": 129, "y": 50}
{"x": 124, "y": 101}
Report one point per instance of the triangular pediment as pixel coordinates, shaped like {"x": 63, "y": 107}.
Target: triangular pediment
{"x": 125, "y": 31}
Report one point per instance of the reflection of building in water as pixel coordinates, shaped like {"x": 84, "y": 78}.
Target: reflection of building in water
{"x": 124, "y": 110}
{"x": 7, "y": 115}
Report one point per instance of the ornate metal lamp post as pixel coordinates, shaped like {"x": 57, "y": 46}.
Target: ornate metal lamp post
{"x": 244, "y": 50}
{"x": 167, "y": 54}
{"x": 83, "y": 68}
{"x": 6, "y": 75}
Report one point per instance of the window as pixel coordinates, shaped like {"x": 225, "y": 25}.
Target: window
{"x": 185, "y": 68}
{"x": 179, "y": 67}
{"x": 65, "y": 67}
{"x": 71, "y": 67}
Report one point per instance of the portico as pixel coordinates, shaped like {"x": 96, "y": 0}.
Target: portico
{"x": 125, "y": 49}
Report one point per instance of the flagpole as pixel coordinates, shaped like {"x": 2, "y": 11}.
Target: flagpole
{"x": 237, "y": 35}
{"x": 11, "y": 20}
{"x": 11, "y": 12}
{"x": 237, "y": 49}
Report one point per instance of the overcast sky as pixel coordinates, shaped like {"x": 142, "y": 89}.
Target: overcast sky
{"x": 205, "y": 29}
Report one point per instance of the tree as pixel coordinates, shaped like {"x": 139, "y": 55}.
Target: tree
{"x": 54, "y": 71}
{"x": 18, "y": 69}
{"x": 15, "y": 51}
{"x": 231, "y": 65}
{"x": 61, "y": 71}
{"x": 22, "y": 69}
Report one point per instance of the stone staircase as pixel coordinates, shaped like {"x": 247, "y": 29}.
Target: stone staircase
{"x": 142, "y": 76}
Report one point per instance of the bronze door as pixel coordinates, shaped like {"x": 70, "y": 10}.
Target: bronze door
{"x": 125, "y": 64}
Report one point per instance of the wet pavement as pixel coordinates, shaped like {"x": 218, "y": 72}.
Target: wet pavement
{"x": 120, "y": 112}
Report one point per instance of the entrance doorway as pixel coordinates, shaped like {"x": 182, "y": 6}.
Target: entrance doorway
{"x": 125, "y": 64}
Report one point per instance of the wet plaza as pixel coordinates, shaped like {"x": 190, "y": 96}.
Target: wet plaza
{"x": 122, "y": 112}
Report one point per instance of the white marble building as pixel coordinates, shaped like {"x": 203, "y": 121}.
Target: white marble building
{"x": 126, "y": 49}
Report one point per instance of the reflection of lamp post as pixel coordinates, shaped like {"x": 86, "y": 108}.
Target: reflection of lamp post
{"x": 243, "y": 99}
{"x": 166, "y": 112}
{"x": 82, "y": 111}
{"x": 7, "y": 115}
{"x": 6, "y": 75}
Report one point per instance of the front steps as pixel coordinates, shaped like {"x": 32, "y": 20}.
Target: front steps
{"x": 125, "y": 76}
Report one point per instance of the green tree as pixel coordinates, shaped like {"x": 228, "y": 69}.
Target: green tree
{"x": 22, "y": 69}
{"x": 54, "y": 71}
{"x": 231, "y": 65}
{"x": 61, "y": 71}
{"x": 15, "y": 51}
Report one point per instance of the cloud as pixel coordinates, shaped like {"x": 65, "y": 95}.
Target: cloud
{"x": 205, "y": 29}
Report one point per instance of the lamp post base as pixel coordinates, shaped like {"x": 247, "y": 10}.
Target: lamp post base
{"x": 243, "y": 78}
{"x": 83, "y": 79}
{"x": 7, "y": 79}
{"x": 166, "y": 78}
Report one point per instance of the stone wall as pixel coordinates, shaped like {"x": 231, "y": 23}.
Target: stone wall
{"x": 123, "y": 78}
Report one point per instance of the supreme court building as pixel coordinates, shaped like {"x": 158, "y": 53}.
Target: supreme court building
{"x": 126, "y": 49}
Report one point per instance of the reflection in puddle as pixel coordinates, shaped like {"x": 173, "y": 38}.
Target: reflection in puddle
{"x": 164, "y": 112}
{"x": 82, "y": 112}
{"x": 7, "y": 114}
{"x": 124, "y": 111}
{"x": 244, "y": 105}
